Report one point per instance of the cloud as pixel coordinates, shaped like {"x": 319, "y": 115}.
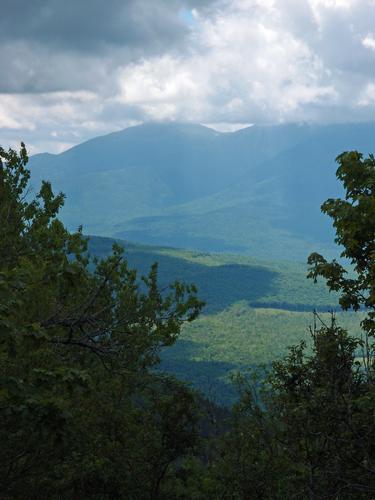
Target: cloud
{"x": 250, "y": 63}
{"x": 91, "y": 25}
{"x": 75, "y": 69}
{"x": 369, "y": 41}
{"x": 50, "y": 45}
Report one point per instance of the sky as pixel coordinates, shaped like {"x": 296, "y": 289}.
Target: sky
{"x": 76, "y": 69}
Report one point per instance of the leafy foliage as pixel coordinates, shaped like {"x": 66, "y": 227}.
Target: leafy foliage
{"x": 308, "y": 433}
{"x": 354, "y": 221}
{"x": 77, "y": 342}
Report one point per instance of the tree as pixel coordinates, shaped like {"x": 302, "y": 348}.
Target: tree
{"x": 307, "y": 432}
{"x": 77, "y": 339}
{"x": 311, "y": 434}
{"x": 354, "y": 222}
{"x": 315, "y": 398}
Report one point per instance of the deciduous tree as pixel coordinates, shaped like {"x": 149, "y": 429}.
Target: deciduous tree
{"x": 77, "y": 339}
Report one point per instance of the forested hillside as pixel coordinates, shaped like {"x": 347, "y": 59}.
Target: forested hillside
{"x": 254, "y": 310}
{"x": 255, "y": 191}
{"x": 225, "y": 279}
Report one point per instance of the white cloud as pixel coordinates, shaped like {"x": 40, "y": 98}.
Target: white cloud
{"x": 369, "y": 42}
{"x": 158, "y": 80}
{"x": 367, "y": 96}
{"x": 227, "y": 127}
{"x": 333, "y": 4}
{"x": 245, "y": 61}
{"x": 11, "y": 116}
{"x": 243, "y": 67}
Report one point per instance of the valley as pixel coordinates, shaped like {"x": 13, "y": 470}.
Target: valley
{"x": 254, "y": 311}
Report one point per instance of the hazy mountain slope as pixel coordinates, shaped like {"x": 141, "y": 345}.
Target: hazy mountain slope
{"x": 122, "y": 175}
{"x": 143, "y": 170}
{"x": 274, "y": 210}
{"x": 255, "y": 191}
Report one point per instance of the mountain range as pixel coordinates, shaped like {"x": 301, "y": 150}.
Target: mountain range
{"x": 256, "y": 191}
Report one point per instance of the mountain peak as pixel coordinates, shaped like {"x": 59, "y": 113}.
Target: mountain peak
{"x": 186, "y": 185}
{"x": 171, "y": 127}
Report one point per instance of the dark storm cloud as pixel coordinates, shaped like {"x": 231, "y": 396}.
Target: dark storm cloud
{"x": 90, "y": 25}
{"x": 49, "y": 45}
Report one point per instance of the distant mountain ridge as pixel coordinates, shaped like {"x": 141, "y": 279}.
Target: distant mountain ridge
{"x": 255, "y": 191}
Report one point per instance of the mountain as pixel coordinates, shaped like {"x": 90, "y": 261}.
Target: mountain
{"x": 255, "y": 191}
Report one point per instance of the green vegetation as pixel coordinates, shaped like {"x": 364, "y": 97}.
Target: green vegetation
{"x": 224, "y": 280}
{"x": 309, "y": 432}
{"x": 215, "y": 347}
{"x": 254, "y": 311}
{"x": 82, "y": 412}
{"x": 85, "y": 413}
